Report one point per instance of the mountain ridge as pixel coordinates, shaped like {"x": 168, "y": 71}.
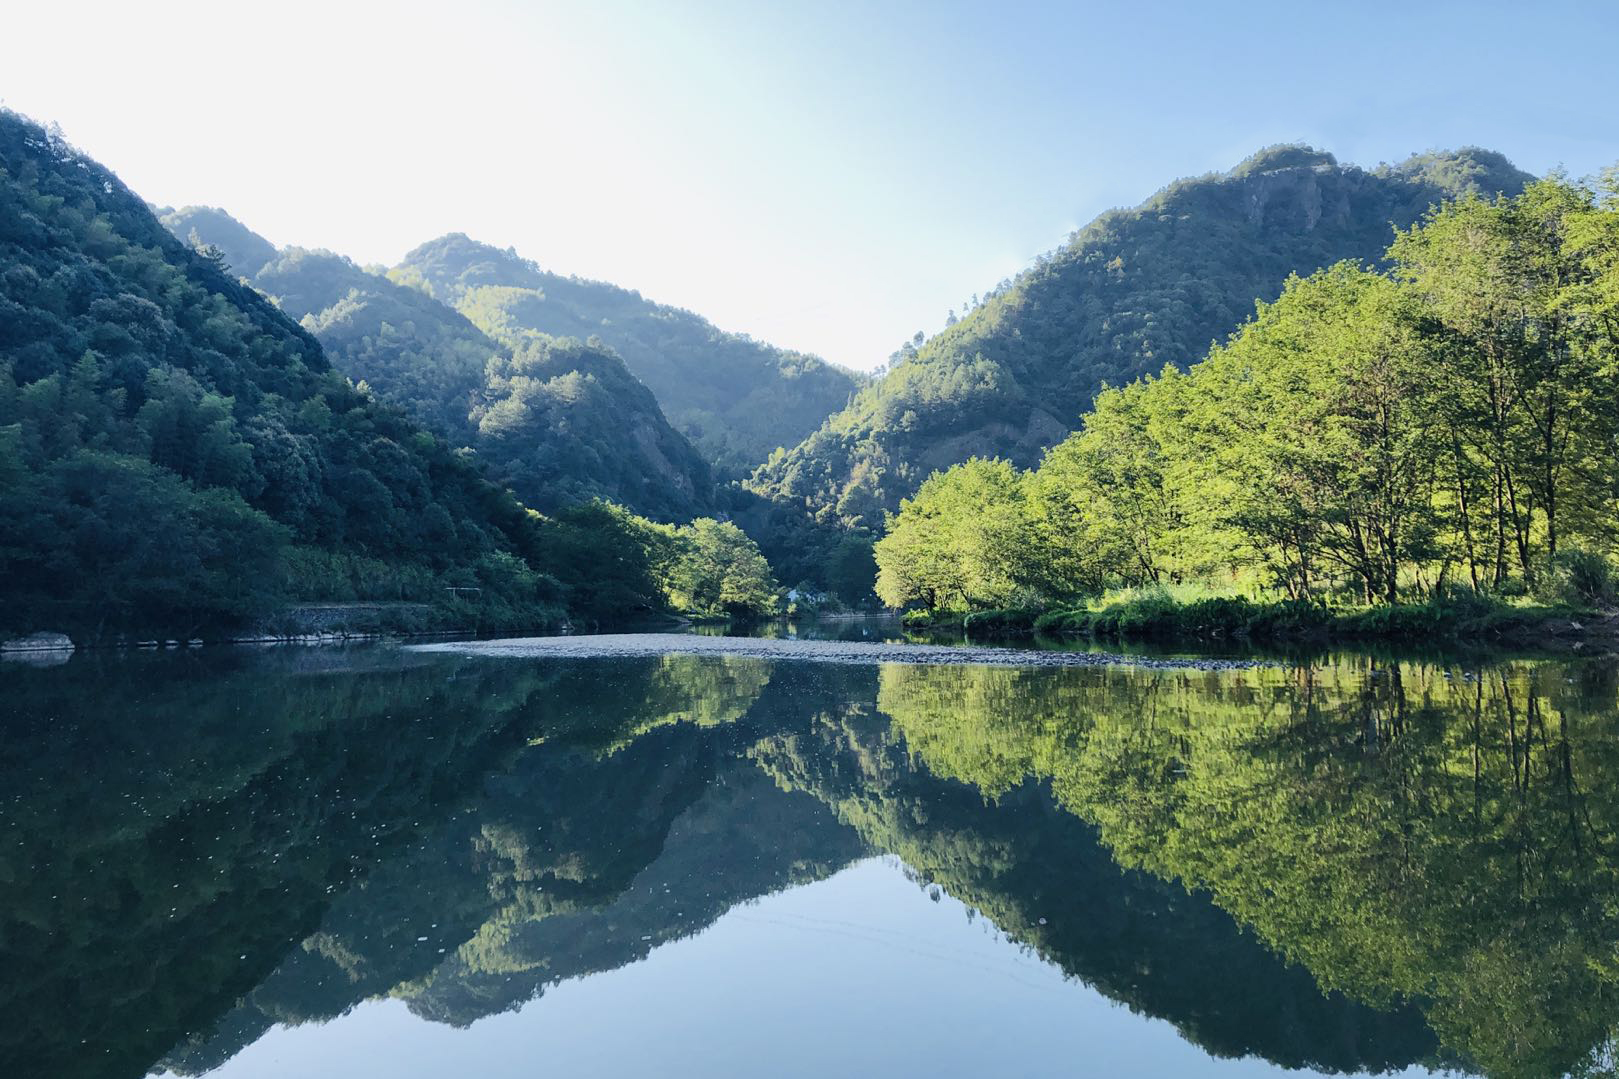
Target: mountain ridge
{"x": 1133, "y": 290}
{"x": 555, "y": 420}
{"x": 735, "y": 397}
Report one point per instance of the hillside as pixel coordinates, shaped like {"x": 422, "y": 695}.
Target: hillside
{"x": 245, "y": 251}
{"x": 737, "y": 399}
{"x": 556, "y": 421}
{"x": 1131, "y": 292}
{"x": 176, "y": 454}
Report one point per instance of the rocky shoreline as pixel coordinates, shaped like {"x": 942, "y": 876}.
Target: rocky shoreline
{"x": 627, "y": 645}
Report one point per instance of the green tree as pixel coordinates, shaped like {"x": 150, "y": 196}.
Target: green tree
{"x": 716, "y": 569}
{"x": 1508, "y": 292}
{"x": 1101, "y": 506}
{"x": 962, "y": 541}
{"x": 1312, "y": 436}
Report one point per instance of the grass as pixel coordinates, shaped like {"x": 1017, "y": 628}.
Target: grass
{"x": 1194, "y": 612}
{"x": 1158, "y": 614}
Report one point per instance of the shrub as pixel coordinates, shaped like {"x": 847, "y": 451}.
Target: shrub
{"x": 1005, "y": 621}
{"x": 1577, "y": 578}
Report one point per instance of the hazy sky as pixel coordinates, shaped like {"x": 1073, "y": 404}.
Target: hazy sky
{"x": 830, "y": 177}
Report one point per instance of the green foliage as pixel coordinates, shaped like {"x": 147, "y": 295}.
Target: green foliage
{"x": 1372, "y": 438}
{"x": 173, "y": 448}
{"x": 717, "y": 570}
{"x": 319, "y": 575}
{"x": 1578, "y": 578}
{"x": 736, "y": 399}
{"x": 803, "y": 551}
{"x": 1132, "y": 292}
{"x": 1000, "y": 622}
{"x": 960, "y": 543}
{"x": 613, "y": 560}
{"x": 101, "y": 541}
{"x": 617, "y": 564}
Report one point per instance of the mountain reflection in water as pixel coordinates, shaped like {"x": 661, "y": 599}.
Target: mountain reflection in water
{"x": 1346, "y": 865}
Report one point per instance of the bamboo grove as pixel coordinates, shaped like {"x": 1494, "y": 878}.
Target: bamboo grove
{"x": 1444, "y": 421}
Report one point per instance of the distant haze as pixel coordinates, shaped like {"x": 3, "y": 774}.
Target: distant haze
{"x": 827, "y": 177}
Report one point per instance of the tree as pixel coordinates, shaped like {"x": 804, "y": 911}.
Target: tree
{"x": 961, "y": 542}
{"x": 717, "y": 569}
{"x": 1512, "y": 302}
{"x": 1101, "y": 507}
{"x": 1311, "y": 436}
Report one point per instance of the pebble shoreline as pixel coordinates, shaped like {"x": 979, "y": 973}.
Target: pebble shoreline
{"x": 623, "y": 645}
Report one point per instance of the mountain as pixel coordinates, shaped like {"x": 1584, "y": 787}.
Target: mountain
{"x": 1131, "y": 292}
{"x": 557, "y": 421}
{"x": 410, "y": 350}
{"x": 244, "y": 250}
{"x": 177, "y": 454}
{"x": 737, "y": 399}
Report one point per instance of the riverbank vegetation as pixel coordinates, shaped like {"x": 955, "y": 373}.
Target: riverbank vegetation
{"x": 1423, "y": 444}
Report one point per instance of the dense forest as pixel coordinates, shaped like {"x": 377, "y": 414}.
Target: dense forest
{"x": 737, "y": 399}
{"x": 177, "y": 455}
{"x": 1442, "y": 421}
{"x": 1132, "y": 291}
{"x": 557, "y": 421}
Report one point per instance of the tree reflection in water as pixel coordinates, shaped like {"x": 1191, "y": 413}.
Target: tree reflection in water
{"x": 1345, "y": 864}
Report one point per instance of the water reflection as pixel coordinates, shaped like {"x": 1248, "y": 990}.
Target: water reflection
{"x": 1346, "y": 865}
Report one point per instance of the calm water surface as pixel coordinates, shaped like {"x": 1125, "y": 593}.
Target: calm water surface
{"x": 370, "y": 861}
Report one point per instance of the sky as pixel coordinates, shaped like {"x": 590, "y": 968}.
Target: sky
{"x": 830, "y": 177}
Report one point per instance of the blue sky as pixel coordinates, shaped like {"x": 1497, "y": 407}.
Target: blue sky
{"x": 831, "y": 177}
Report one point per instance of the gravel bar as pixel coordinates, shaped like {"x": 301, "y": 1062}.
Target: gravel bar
{"x": 616, "y": 645}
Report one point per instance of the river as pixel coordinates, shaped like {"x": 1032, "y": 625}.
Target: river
{"x": 386, "y": 860}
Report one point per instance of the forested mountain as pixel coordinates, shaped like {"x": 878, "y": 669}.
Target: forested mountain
{"x": 176, "y": 453}
{"x": 1132, "y": 291}
{"x": 1439, "y": 432}
{"x": 556, "y": 421}
{"x": 244, "y": 251}
{"x": 409, "y": 350}
{"x": 737, "y": 399}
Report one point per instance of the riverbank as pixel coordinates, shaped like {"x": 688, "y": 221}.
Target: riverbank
{"x": 1162, "y": 618}
{"x": 317, "y": 623}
